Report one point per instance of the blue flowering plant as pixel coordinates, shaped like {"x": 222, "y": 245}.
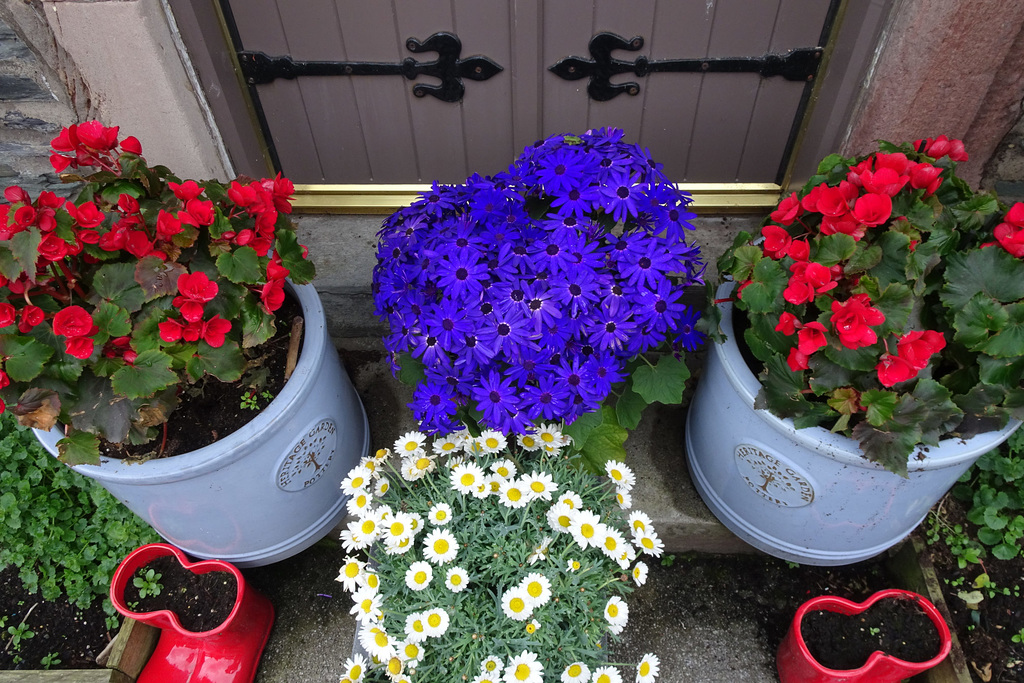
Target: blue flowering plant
{"x": 543, "y": 293}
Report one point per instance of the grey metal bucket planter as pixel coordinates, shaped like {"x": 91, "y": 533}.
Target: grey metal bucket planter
{"x": 269, "y": 490}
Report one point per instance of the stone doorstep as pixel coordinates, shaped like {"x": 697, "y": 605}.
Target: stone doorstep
{"x": 655, "y": 452}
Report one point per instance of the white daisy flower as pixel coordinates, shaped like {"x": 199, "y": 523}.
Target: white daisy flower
{"x": 424, "y": 463}
{"x": 440, "y": 546}
{"x": 466, "y": 477}
{"x": 540, "y": 485}
{"x": 626, "y": 557}
{"x": 639, "y": 573}
{"x": 506, "y": 469}
{"x": 445, "y": 445}
{"x": 491, "y": 665}
{"x": 529, "y": 442}
{"x": 369, "y": 579}
{"x": 367, "y": 605}
{"x": 532, "y": 627}
{"x": 586, "y": 529}
{"x": 550, "y": 437}
{"x": 353, "y": 539}
{"x": 517, "y": 604}
{"x": 613, "y": 543}
{"x": 410, "y": 472}
{"x": 437, "y": 621}
{"x": 456, "y": 579}
{"x": 440, "y": 514}
{"x": 381, "y": 486}
{"x": 355, "y": 668}
{"x": 398, "y": 528}
{"x": 486, "y": 678}
{"x": 537, "y": 587}
{"x": 416, "y": 627}
{"x": 357, "y": 480}
{"x": 649, "y": 543}
{"x": 483, "y": 488}
{"x": 456, "y": 460}
{"x": 513, "y": 494}
{"x": 492, "y": 441}
{"x": 540, "y": 552}
{"x": 560, "y": 518}
{"x": 418, "y": 575}
{"x": 577, "y": 672}
{"x": 349, "y": 574}
{"x": 369, "y": 526}
{"x": 399, "y": 546}
{"x": 572, "y": 499}
{"x": 382, "y": 454}
{"x": 606, "y": 674}
{"x": 624, "y": 499}
{"x": 358, "y": 503}
{"x": 616, "y": 613}
{"x": 524, "y": 668}
{"x": 639, "y": 522}
{"x": 621, "y": 474}
{"x": 416, "y": 522}
{"x": 410, "y": 443}
{"x": 372, "y": 464}
{"x": 394, "y": 666}
{"x": 572, "y": 565}
{"x": 377, "y": 643}
{"x": 647, "y": 669}
{"x": 410, "y": 652}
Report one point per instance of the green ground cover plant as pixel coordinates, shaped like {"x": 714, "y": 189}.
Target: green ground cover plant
{"x": 63, "y": 532}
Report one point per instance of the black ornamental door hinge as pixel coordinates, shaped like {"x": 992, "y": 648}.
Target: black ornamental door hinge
{"x": 449, "y": 68}
{"x": 795, "y": 65}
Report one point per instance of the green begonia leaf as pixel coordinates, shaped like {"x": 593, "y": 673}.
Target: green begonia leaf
{"x": 991, "y": 271}
{"x": 1008, "y": 342}
{"x": 832, "y": 249}
{"x": 100, "y": 409}
{"x": 112, "y": 319}
{"x": 629, "y": 408}
{"x": 80, "y": 448}
{"x": 769, "y": 280}
{"x": 300, "y": 270}
{"x": 662, "y": 383}
{"x": 978, "y": 319}
{"x": 150, "y": 373}
{"x": 241, "y": 265}
{"x": 24, "y": 356}
{"x": 879, "y": 405}
{"x": 225, "y": 362}
{"x": 115, "y": 282}
{"x": 257, "y": 325}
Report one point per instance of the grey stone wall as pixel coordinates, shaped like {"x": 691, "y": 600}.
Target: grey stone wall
{"x": 1004, "y": 172}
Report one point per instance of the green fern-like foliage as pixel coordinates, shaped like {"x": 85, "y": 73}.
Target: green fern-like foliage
{"x": 63, "y": 532}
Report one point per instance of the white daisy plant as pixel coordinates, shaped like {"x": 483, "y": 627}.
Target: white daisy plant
{"x": 473, "y": 572}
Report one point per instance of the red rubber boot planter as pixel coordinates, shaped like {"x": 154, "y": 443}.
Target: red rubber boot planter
{"x": 796, "y": 664}
{"x": 228, "y": 653}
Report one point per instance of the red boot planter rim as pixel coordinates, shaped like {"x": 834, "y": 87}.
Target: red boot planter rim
{"x": 142, "y": 556}
{"x": 797, "y": 665}
{"x": 228, "y": 653}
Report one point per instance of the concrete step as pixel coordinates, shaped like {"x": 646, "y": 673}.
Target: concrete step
{"x": 654, "y": 451}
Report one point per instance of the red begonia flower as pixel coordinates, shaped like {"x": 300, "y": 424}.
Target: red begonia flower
{"x": 272, "y": 295}
{"x": 196, "y": 290}
{"x": 52, "y": 248}
{"x": 789, "y": 210}
{"x": 96, "y": 136}
{"x": 73, "y": 321}
{"x": 872, "y": 209}
{"x": 167, "y": 226}
{"x": 1011, "y": 238}
{"x": 893, "y": 370}
{"x": 884, "y": 181}
{"x": 29, "y": 318}
{"x": 214, "y": 330}
{"x": 799, "y": 250}
{"x": 79, "y": 347}
{"x": 797, "y": 361}
{"x": 832, "y": 201}
{"x": 87, "y": 215}
{"x": 201, "y": 210}
{"x": 776, "y": 241}
{"x": 852, "y": 321}
{"x": 811, "y": 338}
{"x": 132, "y": 145}
{"x": 8, "y": 314}
{"x": 787, "y": 323}
{"x": 5, "y": 381}
{"x": 170, "y": 330}
{"x": 917, "y": 346}
{"x": 186, "y": 191}
{"x": 808, "y": 279}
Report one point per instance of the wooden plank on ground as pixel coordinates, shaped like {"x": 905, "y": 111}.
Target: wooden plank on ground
{"x": 66, "y": 676}
{"x": 134, "y": 644}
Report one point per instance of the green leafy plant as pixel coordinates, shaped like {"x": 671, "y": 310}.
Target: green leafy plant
{"x": 965, "y": 549}
{"x": 994, "y": 490}
{"x": 19, "y": 633}
{"x": 116, "y": 303}
{"x": 885, "y": 301}
{"x": 250, "y": 401}
{"x": 50, "y": 660}
{"x": 148, "y": 583}
{"x": 1018, "y": 637}
{"x": 64, "y": 533}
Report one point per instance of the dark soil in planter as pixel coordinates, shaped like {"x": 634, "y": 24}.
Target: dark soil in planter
{"x": 986, "y": 631}
{"x": 894, "y": 626}
{"x": 201, "y": 601}
{"x": 213, "y": 409}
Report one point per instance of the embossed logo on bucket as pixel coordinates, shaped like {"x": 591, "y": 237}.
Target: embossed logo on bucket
{"x": 772, "y": 477}
{"x": 309, "y": 458}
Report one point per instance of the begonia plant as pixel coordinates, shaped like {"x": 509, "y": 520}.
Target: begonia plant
{"x": 114, "y": 303}
{"x": 479, "y": 560}
{"x": 534, "y": 294}
{"x": 885, "y": 301}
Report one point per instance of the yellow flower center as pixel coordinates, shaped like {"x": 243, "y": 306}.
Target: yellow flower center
{"x": 351, "y": 570}
{"x": 503, "y": 471}
{"x": 440, "y": 546}
{"x": 418, "y": 625}
{"x": 394, "y": 666}
{"x": 514, "y": 494}
{"x": 361, "y": 500}
{"x": 610, "y": 543}
{"x": 587, "y": 531}
{"x": 441, "y": 514}
{"x": 547, "y": 438}
{"x": 411, "y": 446}
{"x": 564, "y": 521}
{"x": 517, "y": 605}
{"x": 355, "y": 671}
{"x": 530, "y": 628}
{"x": 570, "y": 503}
{"x": 522, "y": 672}
{"x": 368, "y": 526}
{"x": 575, "y": 670}
{"x": 647, "y": 542}
{"x": 447, "y": 446}
{"x": 434, "y": 620}
{"x": 535, "y": 589}
{"x": 529, "y": 441}
{"x": 467, "y": 479}
{"x": 617, "y": 475}
{"x": 384, "y": 486}
{"x": 412, "y": 650}
{"x": 381, "y": 639}
{"x": 604, "y": 678}
{"x": 420, "y": 577}
{"x": 381, "y": 453}
{"x": 366, "y": 605}
{"x": 397, "y": 528}
{"x": 423, "y": 463}
{"x": 490, "y": 665}
{"x": 613, "y": 610}
{"x": 372, "y": 581}
{"x": 358, "y": 482}
{"x": 538, "y": 487}
{"x": 638, "y": 524}
{"x": 456, "y": 580}
{"x": 491, "y": 442}
{"x": 575, "y": 564}
{"x": 645, "y": 668}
